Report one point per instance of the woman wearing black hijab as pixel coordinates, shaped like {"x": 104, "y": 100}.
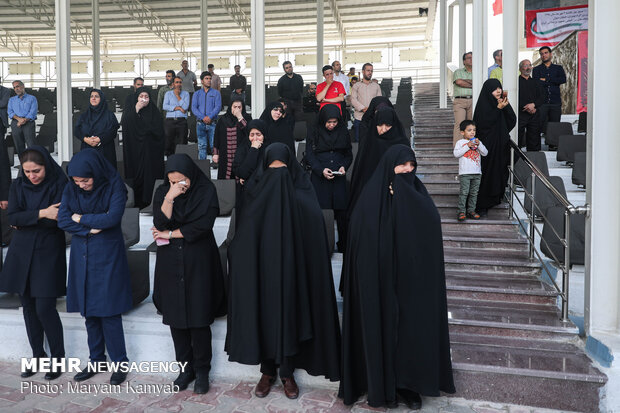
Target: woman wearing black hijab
{"x": 329, "y": 155}
{"x": 97, "y": 127}
{"x": 99, "y": 285}
{"x": 376, "y": 103}
{"x": 282, "y": 307}
{"x": 143, "y": 146}
{"x": 248, "y": 158}
{"x": 494, "y": 120}
{"x": 189, "y": 285}
{"x": 36, "y": 266}
{"x": 385, "y": 130}
{"x": 395, "y": 320}
{"x": 279, "y": 129}
{"x": 229, "y": 132}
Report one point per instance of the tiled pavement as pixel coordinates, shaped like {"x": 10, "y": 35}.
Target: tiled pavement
{"x": 224, "y": 396}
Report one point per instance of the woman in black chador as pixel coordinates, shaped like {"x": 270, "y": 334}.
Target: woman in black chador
{"x": 395, "y": 320}
{"x": 248, "y": 158}
{"x": 494, "y": 119}
{"x": 97, "y": 127}
{"x": 279, "y": 128}
{"x": 143, "y": 146}
{"x": 189, "y": 285}
{"x": 282, "y": 308}
{"x": 229, "y": 133}
{"x": 36, "y": 266}
{"x": 329, "y": 155}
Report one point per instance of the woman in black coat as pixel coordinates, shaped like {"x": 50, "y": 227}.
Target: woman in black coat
{"x": 189, "y": 285}
{"x": 329, "y": 155}
{"x": 395, "y": 318}
{"x": 143, "y": 146}
{"x": 36, "y": 266}
{"x": 97, "y": 127}
{"x": 282, "y": 305}
{"x": 248, "y": 157}
{"x": 494, "y": 120}
{"x": 229, "y": 131}
{"x": 279, "y": 128}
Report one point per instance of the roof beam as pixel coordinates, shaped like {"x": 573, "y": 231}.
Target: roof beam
{"x": 12, "y": 42}
{"x": 44, "y": 13}
{"x": 338, "y": 20}
{"x": 235, "y": 11}
{"x": 143, "y": 14}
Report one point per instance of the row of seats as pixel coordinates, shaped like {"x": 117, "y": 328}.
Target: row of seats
{"x": 570, "y": 148}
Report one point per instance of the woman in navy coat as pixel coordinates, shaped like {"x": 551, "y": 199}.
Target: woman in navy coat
{"x": 329, "y": 155}
{"x": 99, "y": 285}
{"x": 36, "y": 266}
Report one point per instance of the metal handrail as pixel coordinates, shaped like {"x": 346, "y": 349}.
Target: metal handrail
{"x": 569, "y": 209}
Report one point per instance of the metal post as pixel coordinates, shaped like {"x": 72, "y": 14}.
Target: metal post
{"x": 565, "y": 279}
{"x": 258, "y": 56}
{"x": 462, "y": 30}
{"x": 320, "y": 16}
{"x": 511, "y": 182}
{"x": 478, "y": 52}
{"x": 204, "y": 47}
{"x": 443, "y": 99}
{"x": 63, "y": 80}
{"x": 532, "y": 216}
{"x": 96, "y": 53}
{"x": 510, "y": 80}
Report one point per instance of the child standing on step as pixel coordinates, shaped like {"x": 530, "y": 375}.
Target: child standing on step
{"x": 469, "y": 149}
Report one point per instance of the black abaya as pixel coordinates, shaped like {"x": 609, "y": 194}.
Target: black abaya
{"x": 282, "y": 303}
{"x": 279, "y": 130}
{"x": 395, "y": 321}
{"x": 493, "y": 128}
{"x": 143, "y": 148}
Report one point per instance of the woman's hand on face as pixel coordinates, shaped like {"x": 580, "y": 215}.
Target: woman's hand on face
{"x": 257, "y": 144}
{"x": 502, "y": 103}
{"x": 76, "y": 218}
{"x": 236, "y": 112}
{"x": 176, "y": 190}
{"x": 327, "y": 173}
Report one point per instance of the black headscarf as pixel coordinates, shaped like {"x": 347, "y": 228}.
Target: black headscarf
{"x": 326, "y": 140}
{"x": 229, "y": 119}
{"x": 196, "y": 201}
{"x": 97, "y": 120}
{"x": 376, "y": 103}
{"x": 282, "y": 296}
{"x": 372, "y": 149}
{"x": 395, "y": 324}
{"x": 493, "y": 127}
{"x": 90, "y": 163}
{"x": 47, "y": 192}
{"x": 254, "y": 124}
{"x": 280, "y": 130}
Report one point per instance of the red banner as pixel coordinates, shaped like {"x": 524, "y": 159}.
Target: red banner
{"x": 548, "y": 27}
{"x": 582, "y": 71}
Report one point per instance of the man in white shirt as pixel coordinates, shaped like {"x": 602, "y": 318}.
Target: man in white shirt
{"x": 341, "y": 77}
{"x": 361, "y": 95}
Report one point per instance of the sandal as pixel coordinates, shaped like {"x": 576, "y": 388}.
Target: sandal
{"x": 473, "y": 215}
{"x": 461, "y": 216}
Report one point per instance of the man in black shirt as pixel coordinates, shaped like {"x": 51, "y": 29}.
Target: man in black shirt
{"x": 311, "y": 105}
{"x": 238, "y": 83}
{"x": 551, "y": 77}
{"x": 531, "y": 98}
{"x": 291, "y": 88}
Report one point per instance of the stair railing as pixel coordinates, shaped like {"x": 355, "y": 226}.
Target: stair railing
{"x": 532, "y": 230}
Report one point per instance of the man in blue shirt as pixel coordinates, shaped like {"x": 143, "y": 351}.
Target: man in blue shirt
{"x": 206, "y": 104}
{"x": 22, "y": 113}
{"x": 176, "y": 104}
{"x": 551, "y": 77}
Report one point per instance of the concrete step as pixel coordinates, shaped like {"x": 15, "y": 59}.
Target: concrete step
{"x": 525, "y": 289}
{"x": 500, "y": 266}
{"x": 494, "y": 225}
{"x": 459, "y": 239}
{"x": 541, "y": 373}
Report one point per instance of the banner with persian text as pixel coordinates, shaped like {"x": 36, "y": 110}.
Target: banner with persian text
{"x": 548, "y": 27}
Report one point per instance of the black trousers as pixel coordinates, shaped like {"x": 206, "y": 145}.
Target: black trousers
{"x": 549, "y": 113}
{"x": 106, "y": 333}
{"x": 341, "y": 224}
{"x": 41, "y": 320}
{"x": 529, "y": 131}
{"x": 23, "y": 135}
{"x": 193, "y": 345}
{"x": 295, "y": 108}
{"x": 176, "y": 134}
{"x": 270, "y": 368}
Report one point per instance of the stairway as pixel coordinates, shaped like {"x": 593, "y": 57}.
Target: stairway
{"x": 508, "y": 341}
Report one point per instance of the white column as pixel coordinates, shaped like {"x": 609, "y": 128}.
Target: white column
{"x": 258, "y": 57}
{"x": 204, "y": 47}
{"x": 443, "y": 16}
{"x": 319, "y": 39}
{"x": 63, "y": 80}
{"x": 478, "y": 50}
{"x": 510, "y": 46}
{"x": 462, "y": 30}
{"x": 96, "y": 53}
{"x": 602, "y": 300}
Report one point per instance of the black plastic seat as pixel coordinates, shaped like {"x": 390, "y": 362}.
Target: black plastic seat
{"x": 568, "y": 145}
{"x": 130, "y": 226}
{"x": 555, "y": 130}
{"x": 553, "y": 245}
{"x": 523, "y": 172}
{"x": 543, "y": 197}
{"x": 579, "y": 169}
{"x": 191, "y": 150}
{"x": 226, "y": 195}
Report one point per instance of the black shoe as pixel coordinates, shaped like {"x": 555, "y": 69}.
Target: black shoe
{"x": 202, "y": 384}
{"x": 52, "y": 375}
{"x": 27, "y": 373}
{"x": 85, "y": 375}
{"x": 391, "y": 405}
{"x": 117, "y": 378}
{"x": 412, "y": 399}
{"x": 184, "y": 379}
